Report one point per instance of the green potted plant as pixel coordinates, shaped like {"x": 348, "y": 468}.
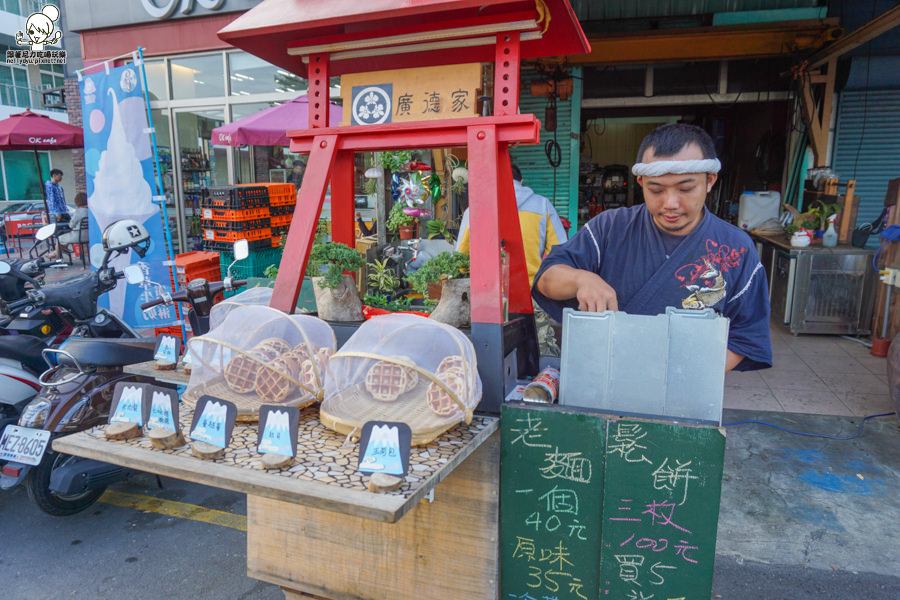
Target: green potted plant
{"x": 401, "y": 223}
{"x": 437, "y": 227}
{"x": 449, "y": 272}
{"x": 337, "y": 298}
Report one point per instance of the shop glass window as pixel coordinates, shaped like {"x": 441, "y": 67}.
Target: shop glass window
{"x": 156, "y": 79}
{"x": 197, "y": 77}
{"x": 49, "y": 81}
{"x": 248, "y": 74}
{"x": 22, "y": 180}
{"x": 14, "y": 86}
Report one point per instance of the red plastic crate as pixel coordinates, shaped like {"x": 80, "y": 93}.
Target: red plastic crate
{"x": 192, "y": 265}
{"x": 214, "y": 235}
{"x": 173, "y": 330}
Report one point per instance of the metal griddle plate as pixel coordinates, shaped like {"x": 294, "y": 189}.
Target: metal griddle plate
{"x": 670, "y": 365}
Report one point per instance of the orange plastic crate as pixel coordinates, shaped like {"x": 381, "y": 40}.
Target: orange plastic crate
{"x": 244, "y": 214}
{"x": 192, "y": 265}
{"x": 214, "y": 235}
{"x": 282, "y": 220}
{"x": 280, "y": 194}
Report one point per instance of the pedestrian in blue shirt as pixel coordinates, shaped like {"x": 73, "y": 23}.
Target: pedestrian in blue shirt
{"x": 56, "y": 198}
{"x": 669, "y": 251}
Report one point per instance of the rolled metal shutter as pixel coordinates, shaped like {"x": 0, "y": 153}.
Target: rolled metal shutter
{"x": 560, "y": 185}
{"x": 867, "y": 147}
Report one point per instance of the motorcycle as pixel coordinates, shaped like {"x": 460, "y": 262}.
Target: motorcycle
{"x": 51, "y": 325}
{"x": 25, "y": 333}
{"x": 76, "y": 395}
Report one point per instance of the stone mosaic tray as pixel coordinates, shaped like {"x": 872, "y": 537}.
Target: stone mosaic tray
{"x": 324, "y": 474}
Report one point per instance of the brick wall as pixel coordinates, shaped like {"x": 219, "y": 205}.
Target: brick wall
{"x": 73, "y": 108}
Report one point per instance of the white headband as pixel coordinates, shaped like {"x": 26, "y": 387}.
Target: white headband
{"x": 676, "y": 167}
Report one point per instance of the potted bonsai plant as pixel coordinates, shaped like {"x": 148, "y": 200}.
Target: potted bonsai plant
{"x": 337, "y": 298}
{"x": 450, "y": 270}
{"x": 402, "y": 223}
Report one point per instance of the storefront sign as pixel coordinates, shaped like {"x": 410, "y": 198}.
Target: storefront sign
{"x": 112, "y": 13}
{"x": 400, "y": 95}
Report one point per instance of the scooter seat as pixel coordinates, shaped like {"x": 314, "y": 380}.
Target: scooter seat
{"x": 26, "y": 349}
{"x": 107, "y": 352}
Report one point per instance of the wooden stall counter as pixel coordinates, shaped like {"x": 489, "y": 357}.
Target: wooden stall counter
{"x": 314, "y": 528}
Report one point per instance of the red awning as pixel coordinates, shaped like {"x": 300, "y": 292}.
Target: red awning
{"x": 31, "y": 131}
{"x": 433, "y": 32}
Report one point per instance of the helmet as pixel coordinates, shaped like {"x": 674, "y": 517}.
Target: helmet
{"x": 125, "y": 234}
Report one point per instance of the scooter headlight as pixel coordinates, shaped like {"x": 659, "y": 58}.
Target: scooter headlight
{"x": 35, "y": 413}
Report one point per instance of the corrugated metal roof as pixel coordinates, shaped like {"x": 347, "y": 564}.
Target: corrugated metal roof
{"x": 597, "y": 10}
{"x": 867, "y": 147}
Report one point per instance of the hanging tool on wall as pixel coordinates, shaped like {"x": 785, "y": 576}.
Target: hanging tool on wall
{"x": 556, "y": 84}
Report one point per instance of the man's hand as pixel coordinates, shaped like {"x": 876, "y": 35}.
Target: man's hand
{"x": 594, "y": 294}
{"x": 562, "y": 282}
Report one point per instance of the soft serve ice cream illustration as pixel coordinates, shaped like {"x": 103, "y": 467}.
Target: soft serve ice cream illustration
{"x": 120, "y": 192}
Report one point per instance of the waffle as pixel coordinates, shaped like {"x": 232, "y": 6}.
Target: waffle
{"x": 386, "y": 380}
{"x": 240, "y": 372}
{"x": 277, "y": 345}
{"x": 322, "y": 356}
{"x": 412, "y": 373}
{"x": 305, "y": 350}
{"x": 453, "y": 361}
{"x": 438, "y": 399}
{"x": 308, "y": 375}
{"x": 271, "y": 383}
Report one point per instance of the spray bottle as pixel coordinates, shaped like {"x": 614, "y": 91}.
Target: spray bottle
{"x": 830, "y": 237}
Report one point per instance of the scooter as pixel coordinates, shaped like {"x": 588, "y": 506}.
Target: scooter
{"x": 76, "y": 396}
{"x": 50, "y": 325}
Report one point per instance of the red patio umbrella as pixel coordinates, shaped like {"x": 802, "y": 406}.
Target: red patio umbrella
{"x": 31, "y": 131}
{"x": 268, "y": 127}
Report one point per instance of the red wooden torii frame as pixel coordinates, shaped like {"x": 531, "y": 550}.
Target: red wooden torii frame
{"x": 493, "y": 214}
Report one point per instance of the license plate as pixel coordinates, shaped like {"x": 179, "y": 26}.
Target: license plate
{"x": 24, "y": 445}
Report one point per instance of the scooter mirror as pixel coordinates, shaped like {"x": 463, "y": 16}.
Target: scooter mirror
{"x": 241, "y": 250}
{"x": 45, "y": 232}
{"x": 4, "y": 267}
{"x": 134, "y": 274}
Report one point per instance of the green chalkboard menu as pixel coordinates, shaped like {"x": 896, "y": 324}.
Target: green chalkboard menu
{"x": 551, "y": 492}
{"x": 662, "y": 487}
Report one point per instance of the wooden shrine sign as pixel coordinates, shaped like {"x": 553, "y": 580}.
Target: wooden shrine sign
{"x": 598, "y": 507}
{"x": 402, "y": 95}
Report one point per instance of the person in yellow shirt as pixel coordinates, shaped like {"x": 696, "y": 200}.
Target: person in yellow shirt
{"x": 541, "y": 230}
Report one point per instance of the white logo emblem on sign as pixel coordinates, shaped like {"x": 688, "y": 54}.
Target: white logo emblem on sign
{"x": 371, "y": 106}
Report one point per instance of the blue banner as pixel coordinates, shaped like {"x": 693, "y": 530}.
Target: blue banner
{"x": 118, "y": 158}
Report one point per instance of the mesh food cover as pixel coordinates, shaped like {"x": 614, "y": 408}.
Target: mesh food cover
{"x": 406, "y": 368}
{"x": 259, "y": 355}
{"x": 260, "y": 296}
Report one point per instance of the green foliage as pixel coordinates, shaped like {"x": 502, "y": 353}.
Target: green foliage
{"x": 382, "y": 278}
{"x": 437, "y": 227}
{"x": 387, "y": 303}
{"x": 446, "y": 265}
{"x": 271, "y": 271}
{"x": 397, "y": 218}
{"x": 394, "y": 161}
{"x": 321, "y": 231}
{"x": 334, "y": 257}
{"x": 371, "y": 186}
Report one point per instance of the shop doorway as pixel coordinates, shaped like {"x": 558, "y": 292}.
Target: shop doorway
{"x": 197, "y": 164}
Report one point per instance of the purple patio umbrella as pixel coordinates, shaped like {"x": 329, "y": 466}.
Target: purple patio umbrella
{"x": 268, "y": 127}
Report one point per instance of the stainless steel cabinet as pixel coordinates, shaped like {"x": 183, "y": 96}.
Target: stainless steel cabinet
{"x": 820, "y": 290}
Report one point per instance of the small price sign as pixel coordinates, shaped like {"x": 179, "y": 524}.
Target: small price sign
{"x": 278, "y": 430}
{"x": 168, "y": 348}
{"x": 213, "y": 421}
{"x": 129, "y": 404}
{"x": 163, "y": 408}
{"x": 384, "y": 448}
